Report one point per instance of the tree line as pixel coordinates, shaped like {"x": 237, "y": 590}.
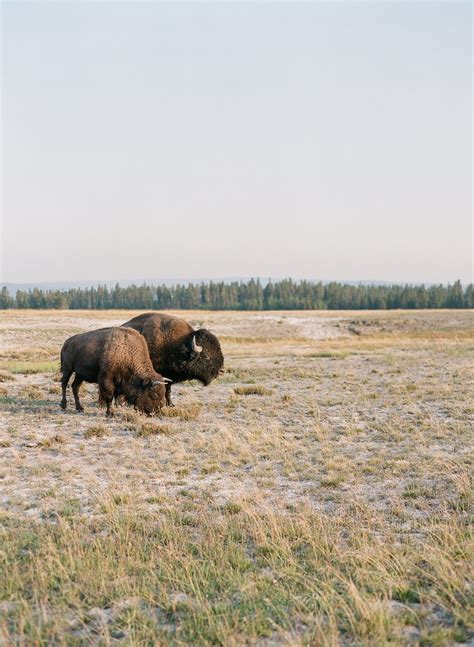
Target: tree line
{"x": 251, "y": 295}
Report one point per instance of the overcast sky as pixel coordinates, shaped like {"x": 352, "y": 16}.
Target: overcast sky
{"x": 320, "y": 140}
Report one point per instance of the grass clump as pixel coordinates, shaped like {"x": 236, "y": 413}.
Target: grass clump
{"x": 253, "y": 389}
{"x": 52, "y": 441}
{"x": 71, "y": 507}
{"x": 332, "y": 480}
{"x": 184, "y": 412}
{"x": 98, "y": 431}
{"x": 6, "y": 377}
{"x": 129, "y": 415}
{"x": 32, "y": 392}
{"x": 231, "y": 508}
{"x": 121, "y": 499}
{"x": 147, "y": 429}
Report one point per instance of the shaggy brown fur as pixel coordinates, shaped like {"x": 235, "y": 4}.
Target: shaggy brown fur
{"x": 170, "y": 342}
{"x": 116, "y": 359}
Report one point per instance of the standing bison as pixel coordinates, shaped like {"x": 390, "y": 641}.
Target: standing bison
{"x": 178, "y": 351}
{"x": 116, "y": 359}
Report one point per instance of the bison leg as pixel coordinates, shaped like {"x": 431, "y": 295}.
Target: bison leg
{"x": 64, "y": 382}
{"x": 109, "y": 413}
{"x": 107, "y": 392}
{"x": 169, "y": 403}
{"x": 75, "y": 390}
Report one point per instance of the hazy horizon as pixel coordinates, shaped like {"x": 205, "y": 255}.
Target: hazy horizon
{"x": 169, "y": 282}
{"x": 326, "y": 140}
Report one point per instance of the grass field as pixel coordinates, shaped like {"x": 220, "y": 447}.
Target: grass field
{"x": 317, "y": 494}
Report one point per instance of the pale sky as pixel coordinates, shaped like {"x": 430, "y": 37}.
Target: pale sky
{"x": 161, "y": 139}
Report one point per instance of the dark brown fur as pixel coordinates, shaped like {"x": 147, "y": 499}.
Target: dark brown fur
{"x": 170, "y": 342}
{"x": 116, "y": 359}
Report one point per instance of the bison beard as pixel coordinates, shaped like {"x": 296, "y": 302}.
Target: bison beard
{"x": 177, "y": 351}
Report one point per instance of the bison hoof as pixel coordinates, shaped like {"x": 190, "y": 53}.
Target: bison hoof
{"x": 63, "y": 406}
{"x": 80, "y": 409}
{"x": 170, "y": 404}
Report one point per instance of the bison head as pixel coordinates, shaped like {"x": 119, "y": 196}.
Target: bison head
{"x": 202, "y": 358}
{"x": 150, "y": 395}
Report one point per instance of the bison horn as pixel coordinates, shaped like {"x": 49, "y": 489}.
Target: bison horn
{"x": 196, "y": 348}
{"x": 157, "y": 382}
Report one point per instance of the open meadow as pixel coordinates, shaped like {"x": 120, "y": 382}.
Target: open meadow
{"x": 316, "y": 494}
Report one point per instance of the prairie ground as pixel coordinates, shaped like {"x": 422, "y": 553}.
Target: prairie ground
{"x": 317, "y": 494}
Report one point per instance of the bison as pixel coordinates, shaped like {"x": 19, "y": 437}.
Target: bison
{"x": 116, "y": 359}
{"x": 178, "y": 351}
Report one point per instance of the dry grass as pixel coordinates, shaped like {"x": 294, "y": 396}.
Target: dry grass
{"x": 51, "y": 441}
{"x": 153, "y": 429}
{"x": 333, "y": 511}
{"x": 32, "y": 392}
{"x": 252, "y": 390}
{"x": 210, "y": 576}
{"x": 98, "y": 431}
{"x": 130, "y": 415}
{"x": 184, "y": 412}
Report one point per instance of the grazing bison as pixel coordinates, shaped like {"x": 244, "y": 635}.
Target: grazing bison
{"x": 116, "y": 359}
{"x": 178, "y": 351}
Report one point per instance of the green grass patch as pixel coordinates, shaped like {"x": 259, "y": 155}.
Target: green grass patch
{"x": 29, "y": 368}
{"x": 7, "y": 399}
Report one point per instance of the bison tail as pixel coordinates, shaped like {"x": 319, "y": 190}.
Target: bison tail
{"x": 63, "y": 362}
